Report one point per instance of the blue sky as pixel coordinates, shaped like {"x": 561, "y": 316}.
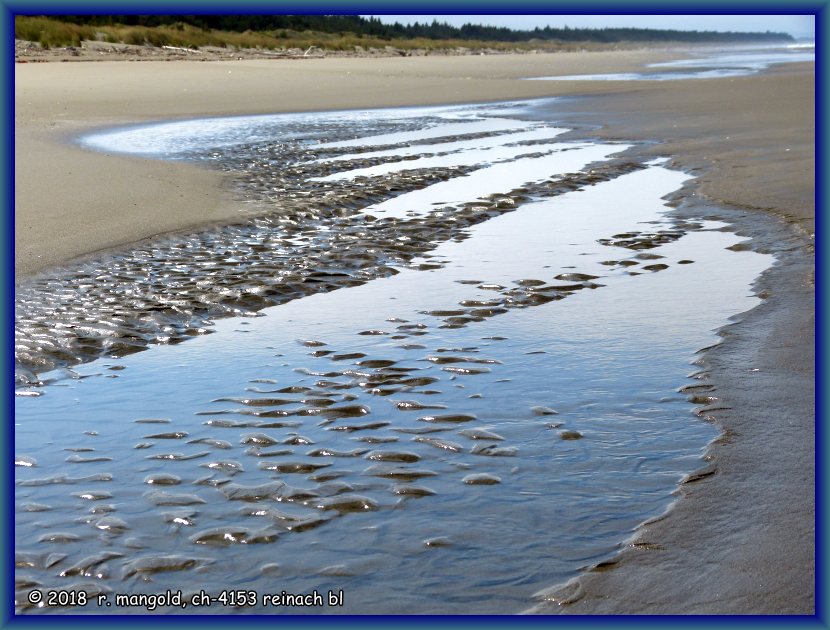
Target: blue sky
{"x": 798, "y": 25}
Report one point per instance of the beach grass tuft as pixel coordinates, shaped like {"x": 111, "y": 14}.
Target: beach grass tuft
{"x": 50, "y": 33}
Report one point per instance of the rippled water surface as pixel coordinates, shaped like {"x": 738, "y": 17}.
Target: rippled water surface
{"x": 441, "y": 362}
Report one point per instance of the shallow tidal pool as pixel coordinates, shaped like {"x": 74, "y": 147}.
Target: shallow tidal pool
{"x": 442, "y": 362}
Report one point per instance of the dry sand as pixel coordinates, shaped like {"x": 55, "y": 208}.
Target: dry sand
{"x": 740, "y": 540}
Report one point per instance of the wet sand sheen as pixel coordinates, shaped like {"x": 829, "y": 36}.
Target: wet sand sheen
{"x": 457, "y": 414}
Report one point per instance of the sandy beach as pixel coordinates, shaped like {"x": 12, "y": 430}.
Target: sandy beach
{"x": 740, "y": 540}
{"x": 54, "y": 102}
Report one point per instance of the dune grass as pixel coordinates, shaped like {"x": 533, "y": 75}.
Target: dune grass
{"x": 50, "y": 33}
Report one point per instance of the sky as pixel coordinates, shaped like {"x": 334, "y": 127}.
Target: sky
{"x": 797, "y": 25}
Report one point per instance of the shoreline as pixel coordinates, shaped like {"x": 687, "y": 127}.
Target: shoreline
{"x": 729, "y": 543}
{"x": 54, "y": 102}
{"x": 731, "y": 577}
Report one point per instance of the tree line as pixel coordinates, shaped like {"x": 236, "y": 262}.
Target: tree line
{"x": 432, "y": 30}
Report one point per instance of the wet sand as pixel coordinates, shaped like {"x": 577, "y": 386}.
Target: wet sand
{"x": 740, "y": 540}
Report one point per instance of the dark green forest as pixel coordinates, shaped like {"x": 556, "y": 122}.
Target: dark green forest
{"x": 433, "y": 30}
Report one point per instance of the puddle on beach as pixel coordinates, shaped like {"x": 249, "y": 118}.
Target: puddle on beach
{"x": 711, "y": 65}
{"x": 436, "y": 402}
